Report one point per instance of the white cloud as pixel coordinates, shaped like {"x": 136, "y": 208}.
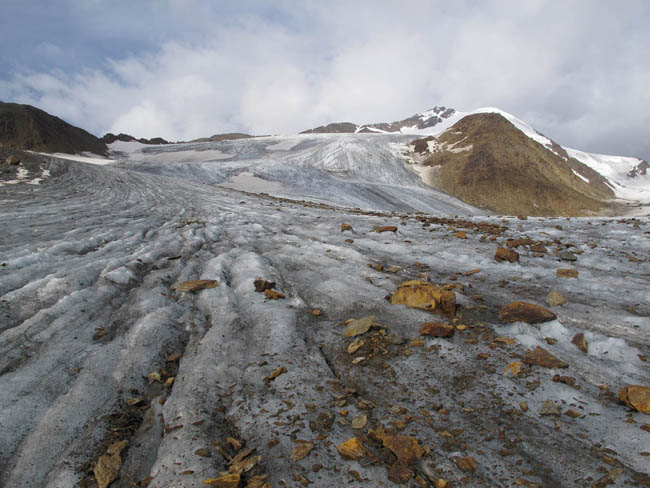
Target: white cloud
{"x": 573, "y": 70}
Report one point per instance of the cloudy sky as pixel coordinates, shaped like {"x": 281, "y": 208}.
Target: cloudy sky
{"x": 578, "y": 71}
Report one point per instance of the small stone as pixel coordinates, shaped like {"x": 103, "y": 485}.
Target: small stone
{"x": 262, "y": 285}
{"x": 550, "y": 408}
{"x": 568, "y": 256}
{"x": 386, "y": 228}
{"x": 273, "y": 295}
{"x": 550, "y": 340}
{"x": 316, "y": 312}
{"x": 645, "y": 427}
{"x": 351, "y": 449}
{"x": 526, "y": 312}
{"x": 358, "y": 327}
{"x": 555, "y": 298}
{"x": 572, "y": 413}
{"x": 227, "y": 480}
{"x": 441, "y": 483}
{"x": 513, "y": 368}
{"x": 196, "y": 285}
{"x": 566, "y": 273}
{"x": 345, "y": 227}
{"x": 523, "y": 406}
{"x": 359, "y": 422}
{"x": 461, "y": 234}
{"x": 608, "y": 479}
{"x": 394, "y": 339}
{"x": 12, "y": 160}
{"x": 301, "y": 450}
{"x": 275, "y": 374}
{"x": 407, "y": 449}
{"x": 580, "y": 342}
{"x": 203, "y": 452}
{"x": 541, "y": 357}
{"x": 437, "y": 329}
{"x": 107, "y": 468}
{"x": 504, "y": 254}
{"x": 467, "y": 464}
{"x": 355, "y": 345}
{"x": 636, "y": 397}
{"x": 400, "y": 474}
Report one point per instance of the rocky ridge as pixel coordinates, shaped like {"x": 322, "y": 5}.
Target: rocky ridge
{"x": 24, "y": 127}
{"x": 423, "y": 120}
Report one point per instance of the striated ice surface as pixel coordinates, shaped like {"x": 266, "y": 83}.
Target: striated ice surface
{"x": 90, "y": 257}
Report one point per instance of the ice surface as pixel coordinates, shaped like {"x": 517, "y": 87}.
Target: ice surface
{"x": 89, "y": 260}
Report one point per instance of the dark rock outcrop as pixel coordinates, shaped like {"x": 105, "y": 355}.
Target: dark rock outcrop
{"x": 28, "y": 128}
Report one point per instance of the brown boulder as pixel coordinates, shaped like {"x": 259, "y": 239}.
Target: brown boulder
{"x": 504, "y": 254}
{"x": 437, "y": 329}
{"x": 196, "y": 285}
{"x": 526, "y": 312}
{"x": 580, "y": 342}
{"x": 263, "y": 285}
{"x": 407, "y": 449}
{"x": 425, "y": 296}
{"x": 566, "y": 273}
{"x": 12, "y": 160}
{"x": 386, "y": 228}
{"x": 345, "y": 227}
{"x": 461, "y": 234}
{"x": 541, "y": 357}
{"x": 636, "y": 397}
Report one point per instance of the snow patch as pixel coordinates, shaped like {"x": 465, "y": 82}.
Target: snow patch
{"x": 586, "y": 180}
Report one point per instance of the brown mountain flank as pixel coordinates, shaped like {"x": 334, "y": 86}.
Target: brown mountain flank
{"x": 486, "y": 161}
{"x": 29, "y": 128}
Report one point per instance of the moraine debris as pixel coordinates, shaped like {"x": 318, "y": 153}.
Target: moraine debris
{"x": 526, "y": 312}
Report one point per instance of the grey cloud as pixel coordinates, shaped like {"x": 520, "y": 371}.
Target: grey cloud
{"x": 574, "y": 70}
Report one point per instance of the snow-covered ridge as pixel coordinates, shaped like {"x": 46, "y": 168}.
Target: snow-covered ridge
{"x": 616, "y": 169}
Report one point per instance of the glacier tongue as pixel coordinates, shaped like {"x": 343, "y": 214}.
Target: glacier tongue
{"x": 90, "y": 260}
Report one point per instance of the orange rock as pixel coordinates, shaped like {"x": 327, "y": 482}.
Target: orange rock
{"x": 461, "y": 234}
{"x": 386, "y": 228}
{"x": 541, "y": 357}
{"x": 636, "y": 397}
{"x": 513, "y": 368}
{"x": 504, "y": 254}
{"x": 425, "y": 296}
{"x": 262, "y": 285}
{"x": 566, "y": 273}
{"x": 580, "y": 342}
{"x": 351, "y": 449}
{"x": 407, "y": 449}
{"x": 273, "y": 295}
{"x": 437, "y": 329}
{"x": 196, "y": 285}
{"x": 275, "y": 374}
{"x": 345, "y": 227}
{"x": 466, "y": 463}
{"x": 526, "y": 312}
{"x": 228, "y": 480}
{"x": 301, "y": 450}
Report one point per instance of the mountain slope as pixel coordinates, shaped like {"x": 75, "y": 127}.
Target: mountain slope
{"x": 29, "y": 128}
{"x": 485, "y": 160}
